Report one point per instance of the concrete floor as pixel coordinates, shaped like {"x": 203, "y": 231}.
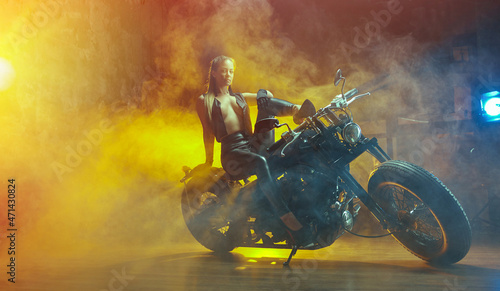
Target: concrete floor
{"x": 351, "y": 263}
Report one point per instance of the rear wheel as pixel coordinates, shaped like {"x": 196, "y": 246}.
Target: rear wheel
{"x": 205, "y": 213}
{"x": 434, "y": 227}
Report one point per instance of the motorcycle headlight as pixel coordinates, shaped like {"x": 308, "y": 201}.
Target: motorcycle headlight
{"x": 351, "y": 133}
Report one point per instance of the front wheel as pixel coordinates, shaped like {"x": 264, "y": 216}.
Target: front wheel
{"x": 432, "y": 224}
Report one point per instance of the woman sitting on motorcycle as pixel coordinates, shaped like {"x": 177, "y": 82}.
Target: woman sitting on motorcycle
{"x": 225, "y": 116}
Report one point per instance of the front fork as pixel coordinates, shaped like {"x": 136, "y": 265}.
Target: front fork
{"x": 376, "y": 151}
{"x": 367, "y": 200}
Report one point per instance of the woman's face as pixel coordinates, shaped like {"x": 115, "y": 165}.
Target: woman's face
{"x": 223, "y": 75}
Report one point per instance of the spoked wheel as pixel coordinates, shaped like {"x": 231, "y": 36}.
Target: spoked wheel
{"x": 205, "y": 213}
{"x": 432, "y": 224}
{"x": 422, "y": 226}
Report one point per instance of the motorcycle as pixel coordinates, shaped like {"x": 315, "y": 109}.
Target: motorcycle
{"x": 310, "y": 165}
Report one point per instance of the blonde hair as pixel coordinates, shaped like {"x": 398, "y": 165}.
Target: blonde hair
{"x": 210, "y": 94}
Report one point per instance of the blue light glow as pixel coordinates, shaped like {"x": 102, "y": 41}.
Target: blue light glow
{"x": 492, "y": 106}
{"x": 491, "y": 94}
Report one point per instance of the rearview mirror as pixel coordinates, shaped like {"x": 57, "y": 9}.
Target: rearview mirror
{"x": 338, "y": 77}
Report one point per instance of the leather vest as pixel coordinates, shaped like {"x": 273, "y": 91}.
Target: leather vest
{"x": 218, "y": 126}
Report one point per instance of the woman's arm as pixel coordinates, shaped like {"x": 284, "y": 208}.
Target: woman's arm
{"x": 208, "y": 135}
{"x": 251, "y": 98}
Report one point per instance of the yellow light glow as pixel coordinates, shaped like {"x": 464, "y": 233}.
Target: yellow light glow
{"x": 7, "y": 74}
{"x": 263, "y": 252}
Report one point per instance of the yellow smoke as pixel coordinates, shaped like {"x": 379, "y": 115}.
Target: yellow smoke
{"x": 100, "y": 117}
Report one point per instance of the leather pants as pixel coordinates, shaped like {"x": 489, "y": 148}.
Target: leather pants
{"x": 240, "y": 154}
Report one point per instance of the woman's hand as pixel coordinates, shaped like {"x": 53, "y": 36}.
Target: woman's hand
{"x": 201, "y": 169}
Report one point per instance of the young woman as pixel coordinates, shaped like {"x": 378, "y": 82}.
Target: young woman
{"x": 225, "y": 117}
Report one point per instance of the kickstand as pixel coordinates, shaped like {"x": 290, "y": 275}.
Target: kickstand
{"x": 294, "y": 251}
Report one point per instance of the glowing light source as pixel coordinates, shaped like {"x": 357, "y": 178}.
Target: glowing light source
{"x": 7, "y": 74}
{"x": 490, "y": 105}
